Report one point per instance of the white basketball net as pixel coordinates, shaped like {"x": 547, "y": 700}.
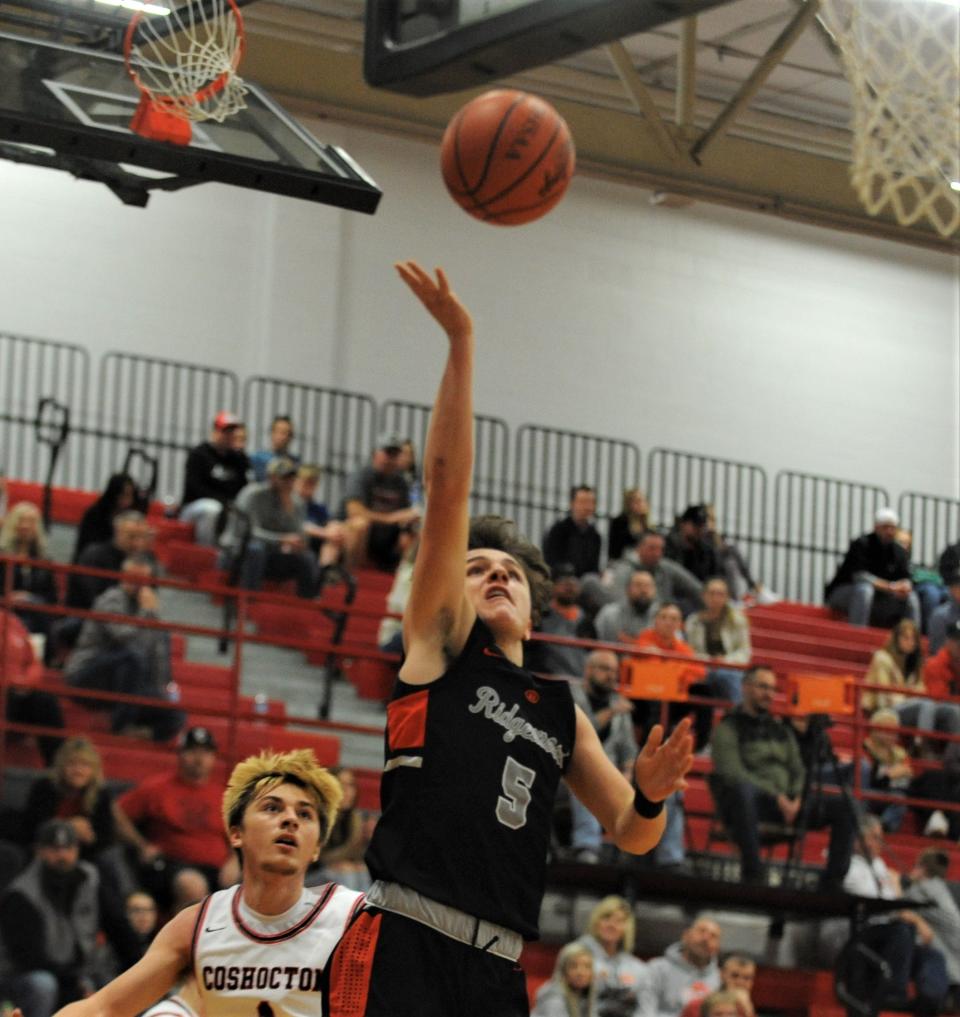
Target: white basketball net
{"x": 192, "y": 71}
{"x": 902, "y": 58}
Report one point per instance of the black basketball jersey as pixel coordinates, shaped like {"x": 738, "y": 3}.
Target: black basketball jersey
{"x": 473, "y": 761}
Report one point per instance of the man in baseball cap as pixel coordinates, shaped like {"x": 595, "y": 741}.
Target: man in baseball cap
{"x": 376, "y": 506}
{"x": 872, "y": 586}
{"x": 215, "y": 474}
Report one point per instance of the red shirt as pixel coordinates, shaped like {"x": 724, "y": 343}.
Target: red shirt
{"x": 649, "y": 637}
{"x": 182, "y": 819}
{"x": 940, "y": 676}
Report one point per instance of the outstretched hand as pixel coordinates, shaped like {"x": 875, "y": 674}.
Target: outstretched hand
{"x": 437, "y": 297}
{"x": 662, "y": 766}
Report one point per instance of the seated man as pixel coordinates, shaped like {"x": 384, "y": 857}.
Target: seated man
{"x": 903, "y": 939}
{"x": 625, "y": 619}
{"x": 281, "y": 438}
{"x": 574, "y": 540}
{"x": 872, "y": 586}
{"x": 376, "y": 507}
{"x": 176, "y": 823}
{"x": 563, "y": 617}
{"x": 327, "y": 536}
{"x": 216, "y": 472}
{"x": 49, "y": 918}
{"x": 276, "y": 517}
{"x": 758, "y": 777}
{"x": 687, "y": 971}
{"x": 688, "y": 544}
{"x": 737, "y": 974}
{"x": 947, "y": 614}
{"x": 132, "y": 535}
{"x": 672, "y": 580}
{"x": 117, "y": 656}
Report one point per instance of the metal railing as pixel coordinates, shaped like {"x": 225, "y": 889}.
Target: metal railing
{"x": 933, "y": 521}
{"x": 164, "y": 407}
{"x": 737, "y": 491}
{"x": 31, "y": 371}
{"x": 814, "y": 520}
{"x": 548, "y": 462}
{"x": 334, "y": 428}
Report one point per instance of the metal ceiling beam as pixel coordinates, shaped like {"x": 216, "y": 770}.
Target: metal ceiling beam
{"x": 637, "y": 91}
{"x": 687, "y": 78}
{"x": 760, "y": 73}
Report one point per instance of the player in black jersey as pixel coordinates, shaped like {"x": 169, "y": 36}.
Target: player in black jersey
{"x": 475, "y": 748}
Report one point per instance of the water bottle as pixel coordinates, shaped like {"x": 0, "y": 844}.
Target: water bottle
{"x": 261, "y": 703}
{"x": 170, "y": 507}
{"x": 173, "y": 691}
{"x": 416, "y": 494}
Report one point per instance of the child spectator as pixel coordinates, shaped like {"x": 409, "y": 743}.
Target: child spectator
{"x": 571, "y": 991}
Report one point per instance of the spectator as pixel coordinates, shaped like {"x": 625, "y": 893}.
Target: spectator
{"x": 131, "y": 536}
{"x": 571, "y": 991}
{"x": 22, "y": 533}
{"x": 942, "y": 671}
{"x": 239, "y": 442}
{"x": 96, "y": 526}
{"x": 620, "y": 977}
{"x": 687, "y": 543}
{"x": 390, "y": 632}
{"x": 140, "y": 927}
{"x": 720, "y": 632}
{"x": 947, "y": 614}
{"x": 623, "y": 620}
{"x": 889, "y": 771}
{"x": 758, "y": 777}
{"x": 899, "y": 664}
{"x": 928, "y": 886}
{"x": 632, "y": 523}
{"x": 928, "y": 583}
{"x": 610, "y": 715}
{"x": 732, "y": 564}
{"x": 26, "y": 702}
{"x": 737, "y": 974}
{"x": 376, "y": 506}
{"x": 215, "y": 474}
{"x": 687, "y": 971}
{"x": 276, "y": 547}
{"x": 872, "y": 585}
{"x": 574, "y": 540}
{"x": 48, "y": 921}
{"x": 673, "y": 581}
{"x": 904, "y": 940}
{"x": 341, "y": 860}
{"x": 949, "y": 563}
{"x": 120, "y": 656}
{"x": 326, "y": 536}
{"x": 281, "y": 438}
{"x": 941, "y": 785}
{"x": 564, "y": 617}
{"x": 177, "y": 822}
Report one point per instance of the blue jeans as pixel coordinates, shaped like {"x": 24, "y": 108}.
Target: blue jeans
{"x": 265, "y": 560}
{"x": 929, "y": 715}
{"x": 931, "y": 596}
{"x": 588, "y": 833}
{"x": 35, "y": 992}
{"x": 857, "y": 600}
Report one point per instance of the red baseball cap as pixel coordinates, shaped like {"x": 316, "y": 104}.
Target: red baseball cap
{"x": 223, "y": 420}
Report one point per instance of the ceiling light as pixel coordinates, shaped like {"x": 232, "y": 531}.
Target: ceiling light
{"x": 955, "y": 184}
{"x": 137, "y": 5}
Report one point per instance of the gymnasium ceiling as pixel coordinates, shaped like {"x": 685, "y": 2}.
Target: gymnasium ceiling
{"x": 786, "y": 151}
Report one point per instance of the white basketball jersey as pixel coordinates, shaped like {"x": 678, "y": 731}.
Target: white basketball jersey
{"x": 251, "y": 965}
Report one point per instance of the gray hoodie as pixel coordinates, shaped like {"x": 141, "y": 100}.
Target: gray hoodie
{"x": 674, "y": 982}
{"x": 621, "y": 971}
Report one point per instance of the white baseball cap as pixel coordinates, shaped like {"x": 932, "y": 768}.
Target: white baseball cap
{"x": 886, "y": 517}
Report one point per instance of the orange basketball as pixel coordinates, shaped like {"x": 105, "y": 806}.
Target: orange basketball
{"x": 507, "y": 157}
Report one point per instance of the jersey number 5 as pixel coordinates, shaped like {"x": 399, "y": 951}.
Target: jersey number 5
{"x": 512, "y": 804}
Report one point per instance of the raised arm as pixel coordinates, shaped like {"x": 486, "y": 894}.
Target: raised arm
{"x": 438, "y": 616}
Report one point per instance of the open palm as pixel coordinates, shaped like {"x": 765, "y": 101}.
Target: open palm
{"x": 437, "y": 297}
{"x": 662, "y": 766}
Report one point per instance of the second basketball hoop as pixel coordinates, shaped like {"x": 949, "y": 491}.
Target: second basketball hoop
{"x": 185, "y": 66}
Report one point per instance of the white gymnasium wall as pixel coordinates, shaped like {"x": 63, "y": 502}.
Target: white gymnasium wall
{"x": 706, "y": 329}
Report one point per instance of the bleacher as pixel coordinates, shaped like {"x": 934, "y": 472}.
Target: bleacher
{"x": 787, "y": 636}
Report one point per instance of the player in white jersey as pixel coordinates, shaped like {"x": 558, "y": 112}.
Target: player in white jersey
{"x": 258, "y": 949}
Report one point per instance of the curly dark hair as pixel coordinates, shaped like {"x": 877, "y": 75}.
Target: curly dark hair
{"x": 501, "y": 534}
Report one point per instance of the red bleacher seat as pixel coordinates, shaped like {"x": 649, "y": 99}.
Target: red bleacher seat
{"x": 188, "y": 560}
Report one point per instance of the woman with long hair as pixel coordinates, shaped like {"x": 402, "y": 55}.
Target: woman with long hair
{"x": 22, "y": 533}
{"x": 898, "y": 665}
{"x": 96, "y": 526}
{"x": 620, "y": 977}
{"x": 721, "y": 632}
{"x": 632, "y": 523}
{"x": 571, "y": 991}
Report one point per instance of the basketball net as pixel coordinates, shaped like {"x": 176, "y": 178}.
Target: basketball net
{"x": 185, "y": 65}
{"x": 902, "y": 58}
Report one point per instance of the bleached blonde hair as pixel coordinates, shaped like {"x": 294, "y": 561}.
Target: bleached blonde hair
{"x": 257, "y": 775}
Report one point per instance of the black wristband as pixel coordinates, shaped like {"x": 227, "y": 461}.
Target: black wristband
{"x": 643, "y": 806}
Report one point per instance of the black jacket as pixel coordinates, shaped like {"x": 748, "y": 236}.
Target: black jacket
{"x": 869, "y": 554}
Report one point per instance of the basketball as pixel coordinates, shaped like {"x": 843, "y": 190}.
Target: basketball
{"x": 507, "y": 157}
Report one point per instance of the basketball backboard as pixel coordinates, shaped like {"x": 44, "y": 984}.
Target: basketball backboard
{"x": 68, "y": 107}
{"x": 429, "y": 47}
